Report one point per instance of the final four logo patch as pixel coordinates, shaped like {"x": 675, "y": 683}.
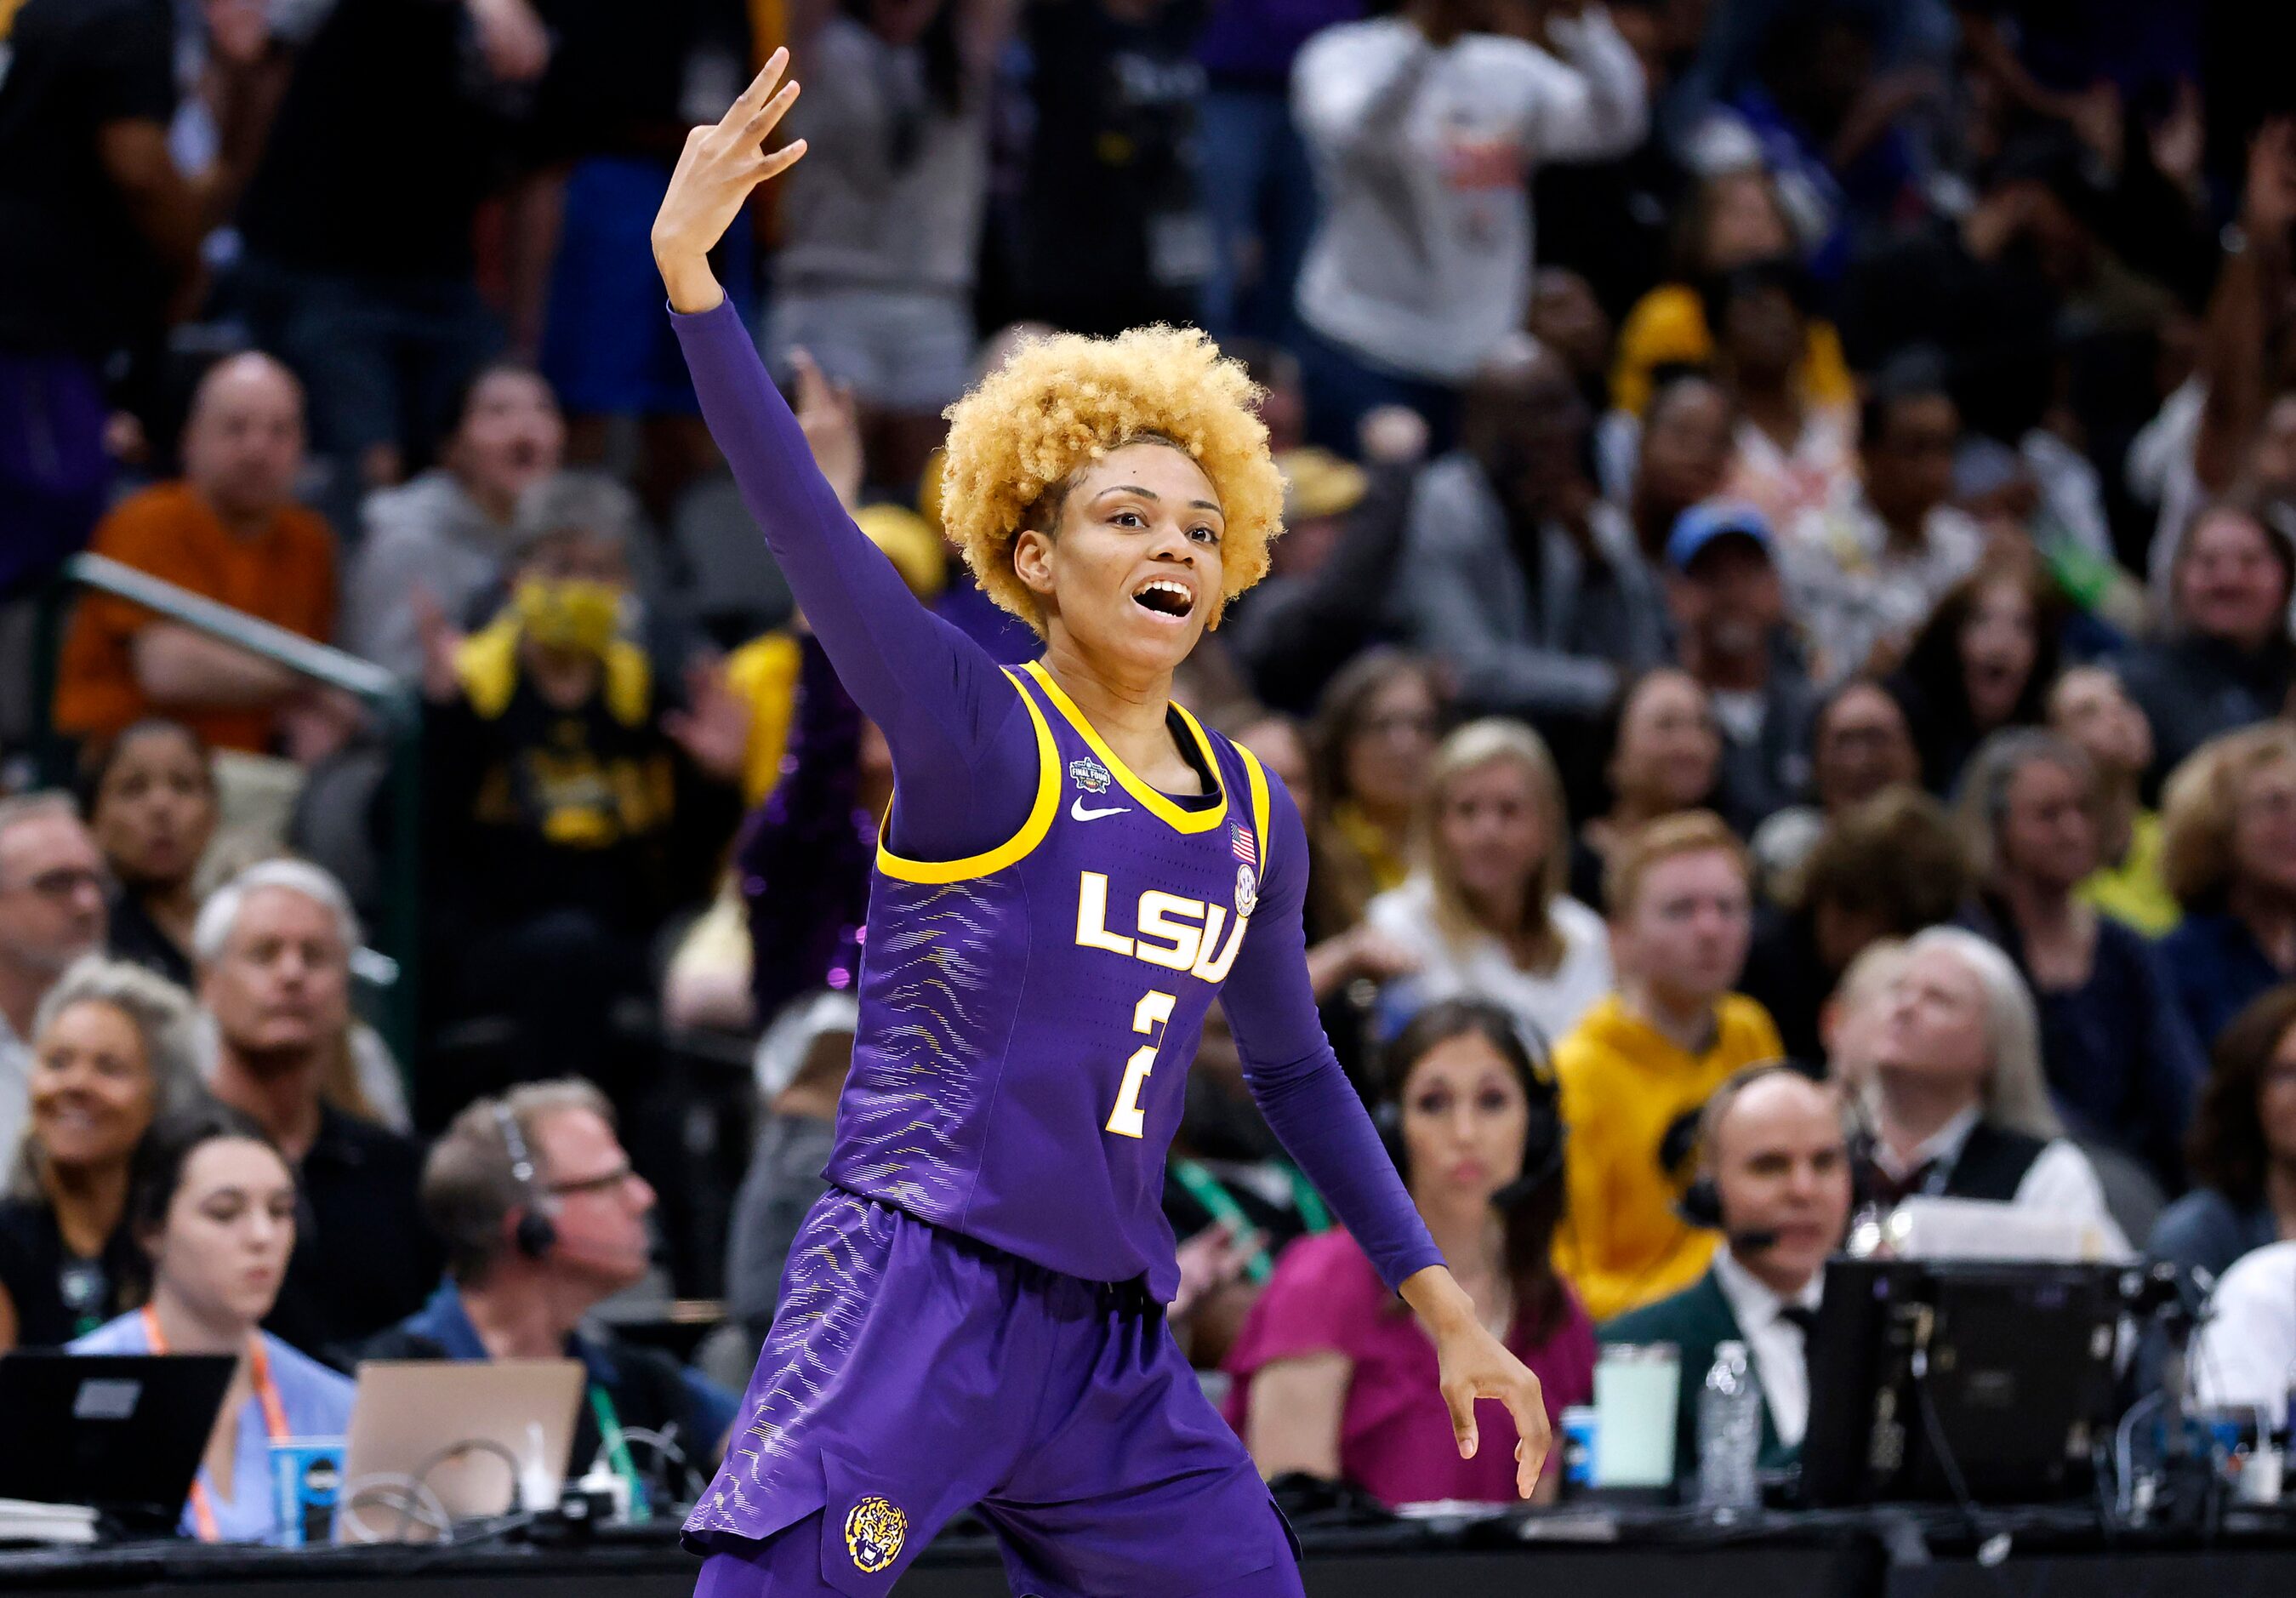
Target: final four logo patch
{"x": 873, "y": 1531}
{"x": 1247, "y": 891}
{"x": 1089, "y": 774}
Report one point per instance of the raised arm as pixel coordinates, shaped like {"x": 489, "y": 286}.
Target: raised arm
{"x": 1314, "y": 1113}
{"x": 1595, "y": 104}
{"x": 954, "y": 724}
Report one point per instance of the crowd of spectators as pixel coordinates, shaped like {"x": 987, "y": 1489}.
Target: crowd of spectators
{"x": 1791, "y": 558}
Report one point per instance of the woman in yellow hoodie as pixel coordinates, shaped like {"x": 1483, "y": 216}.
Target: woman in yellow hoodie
{"x": 1636, "y": 1072}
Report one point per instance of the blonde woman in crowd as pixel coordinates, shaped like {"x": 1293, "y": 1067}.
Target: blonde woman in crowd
{"x": 1486, "y": 912}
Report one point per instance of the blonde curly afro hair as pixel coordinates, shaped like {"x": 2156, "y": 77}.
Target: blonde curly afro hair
{"x": 1057, "y": 404}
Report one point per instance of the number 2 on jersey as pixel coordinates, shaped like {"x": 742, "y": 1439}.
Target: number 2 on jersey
{"x": 1128, "y": 1119}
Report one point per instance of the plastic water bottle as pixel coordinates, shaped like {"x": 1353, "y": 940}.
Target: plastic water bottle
{"x": 1729, "y": 1434}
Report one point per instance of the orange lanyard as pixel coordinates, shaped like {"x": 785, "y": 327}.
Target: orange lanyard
{"x": 274, "y": 1417}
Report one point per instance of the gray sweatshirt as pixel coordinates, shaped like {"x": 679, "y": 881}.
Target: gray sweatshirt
{"x": 1424, "y": 257}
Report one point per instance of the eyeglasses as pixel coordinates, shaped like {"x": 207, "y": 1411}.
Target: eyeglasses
{"x": 604, "y": 1182}
{"x": 65, "y": 882}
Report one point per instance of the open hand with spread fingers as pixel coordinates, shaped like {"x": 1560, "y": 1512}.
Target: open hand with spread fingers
{"x": 719, "y": 165}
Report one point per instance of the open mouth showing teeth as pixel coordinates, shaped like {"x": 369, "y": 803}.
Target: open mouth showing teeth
{"x": 1165, "y": 597}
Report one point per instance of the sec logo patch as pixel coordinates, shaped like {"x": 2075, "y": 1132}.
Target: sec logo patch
{"x": 873, "y": 1531}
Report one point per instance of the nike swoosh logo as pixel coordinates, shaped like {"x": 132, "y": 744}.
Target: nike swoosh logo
{"x": 1082, "y": 814}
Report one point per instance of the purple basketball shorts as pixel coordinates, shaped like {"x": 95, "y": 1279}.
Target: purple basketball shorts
{"x": 913, "y": 1373}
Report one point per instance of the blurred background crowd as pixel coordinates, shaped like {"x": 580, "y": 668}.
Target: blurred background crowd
{"x": 1792, "y": 539}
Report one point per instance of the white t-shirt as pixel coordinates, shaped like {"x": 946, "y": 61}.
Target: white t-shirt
{"x": 2246, "y": 1352}
{"x": 1422, "y": 259}
{"x": 1482, "y": 968}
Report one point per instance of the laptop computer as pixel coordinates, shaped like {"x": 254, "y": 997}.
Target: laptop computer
{"x": 122, "y": 1432}
{"x": 436, "y": 1439}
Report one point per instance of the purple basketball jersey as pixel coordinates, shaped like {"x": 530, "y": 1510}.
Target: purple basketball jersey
{"x": 1029, "y": 1014}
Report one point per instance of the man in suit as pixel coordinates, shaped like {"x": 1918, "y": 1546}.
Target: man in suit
{"x": 1773, "y": 1179}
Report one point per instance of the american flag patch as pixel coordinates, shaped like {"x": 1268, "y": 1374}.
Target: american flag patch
{"x": 1240, "y": 839}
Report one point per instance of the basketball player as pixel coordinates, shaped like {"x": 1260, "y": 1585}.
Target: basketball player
{"x": 1071, "y": 870}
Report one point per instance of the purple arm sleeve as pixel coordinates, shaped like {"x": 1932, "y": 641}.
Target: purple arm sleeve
{"x": 954, "y": 723}
{"x": 1296, "y": 1079}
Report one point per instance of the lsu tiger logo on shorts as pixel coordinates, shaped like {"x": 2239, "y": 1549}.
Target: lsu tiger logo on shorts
{"x": 873, "y": 1531}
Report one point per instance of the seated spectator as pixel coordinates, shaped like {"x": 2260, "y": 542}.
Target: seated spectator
{"x": 1983, "y": 660}
{"x": 1792, "y": 453}
{"x": 1639, "y": 1067}
{"x": 1859, "y": 744}
{"x": 543, "y": 1220}
{"x": 109, "y": 1052}
{"x": 2228, "y": 854}
{"x": 2226, "y": 661}
{"x": 1865, "y": 573}
{"x": 2241, "y": 1148}
{"x": 213, "y": 1206}
{"x": 2241, "y": 1355}
{"x": 1374, "y": 734}
{"x": 1882, "y": 869}
{"x": 51, "y": 913}
{"x": 2089, "y": 705}
{"x": 1956, "y": 1097}
{"x": 1486, "y": 916}
{"x": 2122, "y": 1064}
{"x": 275, "y": 946}
{"x": 1666, "y": 757}
{"x": 438, "y": 542}
{"x": 1773, "y": 1159}
{"x": 1405, "y": 289}
{"x": 1331, "y": 1376}
{"x": 1516, "y": 573}
{"x": 801, "y": 1066}
{"x": 582, "y": 804}
{"x": 151, "y": 806}
{"x": 1734, "y": 219}
{"x": 1682, "y": 457}
{"x": 230, "y": 531}
{"x": 1731, "y": 633}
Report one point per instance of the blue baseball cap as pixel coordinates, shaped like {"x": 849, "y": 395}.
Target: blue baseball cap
{"x": 1700, "y": 525}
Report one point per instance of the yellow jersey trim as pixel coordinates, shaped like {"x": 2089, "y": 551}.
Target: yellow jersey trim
{"x": 1257, "y": 779}
{"x": 1016, "y": 847}
{"x": 1155, "y": 803}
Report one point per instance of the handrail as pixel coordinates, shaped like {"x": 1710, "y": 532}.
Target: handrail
{"x": 397, "y": 707}
{"x": 322, "y": 662}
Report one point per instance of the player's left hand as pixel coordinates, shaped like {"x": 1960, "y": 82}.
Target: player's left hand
{"x": 1475, "y": 1364}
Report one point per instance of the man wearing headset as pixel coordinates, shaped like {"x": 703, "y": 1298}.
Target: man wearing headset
{"x": 1775, "y": 1181}
{"x": 543, "y": 1219}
